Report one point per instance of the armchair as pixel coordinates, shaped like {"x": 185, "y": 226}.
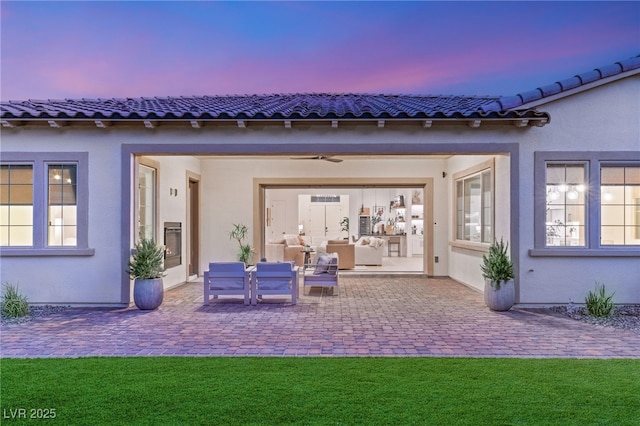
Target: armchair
{"x": 346, "y": 252}
{"x": 286, "y": 249}
{"x": 226, "y": 278}
{"x": 274, "y": 278}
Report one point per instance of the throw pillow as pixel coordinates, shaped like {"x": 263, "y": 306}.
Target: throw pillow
{"x": 323, "y": 265}
{"x": 291, "y": 240}
{"x": 375, "y": 242}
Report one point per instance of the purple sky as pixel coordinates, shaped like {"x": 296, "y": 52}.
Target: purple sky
{"x": 53, "y": 50}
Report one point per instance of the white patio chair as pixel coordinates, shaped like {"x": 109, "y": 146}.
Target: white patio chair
{"x": 226, "y": 279}
{"x": 324, "y": 272}
{"x": 274, "y": 278}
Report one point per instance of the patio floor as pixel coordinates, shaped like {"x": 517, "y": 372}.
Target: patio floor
{"x": 393, "y": 316}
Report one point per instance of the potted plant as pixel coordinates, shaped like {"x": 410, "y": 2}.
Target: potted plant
{"x": 497, "y": 270}
{"x": 245, "y": 251}
{"x": 146, "y": 268}
{"x": 344, "y": 223}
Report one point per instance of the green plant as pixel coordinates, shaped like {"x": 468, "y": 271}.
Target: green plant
{"x": 239, "y": 233}
{"x": 599, "y": 304}
{"x": 344, "y": 223}
{"x": 496, "y": 265}
{"x": 14, "y": 305}
{"x": 147, "y": 261}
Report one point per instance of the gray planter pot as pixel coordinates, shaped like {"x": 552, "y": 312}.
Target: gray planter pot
{"x": 148, "y": 294}
{"x": 501, "y": 299}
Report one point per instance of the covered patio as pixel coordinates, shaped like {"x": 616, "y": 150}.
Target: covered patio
{"x": 369, "y": 316}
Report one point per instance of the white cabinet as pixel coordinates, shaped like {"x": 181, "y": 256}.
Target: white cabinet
{"x": 417, "y": 244}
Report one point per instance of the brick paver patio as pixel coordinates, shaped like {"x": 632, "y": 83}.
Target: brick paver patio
{"x": 400, "y": 316}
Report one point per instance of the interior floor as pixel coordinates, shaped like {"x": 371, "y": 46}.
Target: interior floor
{"x": 390, "y": 265}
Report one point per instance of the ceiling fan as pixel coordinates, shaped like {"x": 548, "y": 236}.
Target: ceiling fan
{"x": 319, "y": 157}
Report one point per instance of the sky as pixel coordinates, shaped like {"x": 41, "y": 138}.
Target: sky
{"x": 120, "y": 49}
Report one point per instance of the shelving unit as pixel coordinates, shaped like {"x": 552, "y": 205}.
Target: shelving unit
{"x": 364, "y": 225}
{"x": 398, "y": 215}
{"x": 417, "y": 229}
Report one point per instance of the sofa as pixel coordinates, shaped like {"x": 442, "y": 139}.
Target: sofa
{"x": 369, "y": 251}
{"x": 288, "y": 248}
{"x": 345, "y": 251}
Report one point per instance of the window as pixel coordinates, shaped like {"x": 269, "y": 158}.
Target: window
{"x": 16, "y": 205}
{"x": 147, "y": 202}
{"x": 587, "y": 204}
{"x": 565, "y": 214}
{"x": 43, "y": 204}
{"x": 474, "y": 204}
{"x": 62, "y": 205}
{"x": 620, "y": 206}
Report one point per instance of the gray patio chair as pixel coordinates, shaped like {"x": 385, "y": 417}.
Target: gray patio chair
{"x": 324, "y": 272}
{"x": 274, "y": 278}
{"x": 226, "y": 279}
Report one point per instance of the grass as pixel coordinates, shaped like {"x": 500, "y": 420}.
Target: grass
{"x": 323, "y": 391}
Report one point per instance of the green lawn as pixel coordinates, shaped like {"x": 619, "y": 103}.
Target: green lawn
{"x": 322, "y": 391}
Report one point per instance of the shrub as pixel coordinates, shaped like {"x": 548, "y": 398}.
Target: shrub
{"x": 599, "y": 304}
{"x": 147, "y": 261}
{"x": 14, "y": 305}
{"x": 496, "y": 265}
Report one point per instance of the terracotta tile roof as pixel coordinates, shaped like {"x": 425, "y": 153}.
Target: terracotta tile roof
{"x": 539, "y": 93}
{"x": 276, "y": 106}
{"x": 310, "y": 106}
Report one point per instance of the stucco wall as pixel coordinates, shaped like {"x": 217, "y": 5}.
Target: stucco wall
{"x": 173, "y": 208}
{"x": 61, "y": 279}
{"x": 602, "y": 119}
{"x": 464, "y": 263}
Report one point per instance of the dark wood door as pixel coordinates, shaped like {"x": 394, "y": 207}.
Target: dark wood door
{"x": 194, "y": 229}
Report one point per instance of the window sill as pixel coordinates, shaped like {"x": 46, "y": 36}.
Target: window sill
{"x": 31, "y": 252}
{"x": 468, "y": 245}
{"x": 575, "y": 252}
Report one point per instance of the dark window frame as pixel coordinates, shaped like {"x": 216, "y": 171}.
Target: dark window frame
{"x": 594, "y": 161}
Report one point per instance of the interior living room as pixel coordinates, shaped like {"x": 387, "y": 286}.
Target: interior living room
{"x": 373, "y": 229}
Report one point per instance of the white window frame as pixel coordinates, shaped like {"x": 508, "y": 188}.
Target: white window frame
{"x": 155, "y": 165}
{"x": 594, "y": 161}
{"x": 40, "y": 162}
{"x": 478, "y": 169}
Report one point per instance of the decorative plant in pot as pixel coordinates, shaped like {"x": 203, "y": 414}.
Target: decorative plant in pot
{"x": 146, "y": 268}
{"x": 245, "y": 251}
{"x": 497, "y": 270}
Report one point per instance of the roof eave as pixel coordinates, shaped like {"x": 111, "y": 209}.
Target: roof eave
{"x": 520, "y": 120}
{"x": 583, "y": 88}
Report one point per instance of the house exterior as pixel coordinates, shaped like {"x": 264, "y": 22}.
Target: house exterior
{"x": 554, "y": 171}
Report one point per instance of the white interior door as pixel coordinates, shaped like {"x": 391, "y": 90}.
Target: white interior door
{"x": 316, "y": 221}
{"x": 277, "y": 219}
{"x": 333, "y": 216}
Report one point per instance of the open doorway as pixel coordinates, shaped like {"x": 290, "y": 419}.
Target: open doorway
{"x": 397, "y": 211}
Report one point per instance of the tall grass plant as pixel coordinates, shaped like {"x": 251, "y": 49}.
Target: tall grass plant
{"x": 13, "y": 304}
